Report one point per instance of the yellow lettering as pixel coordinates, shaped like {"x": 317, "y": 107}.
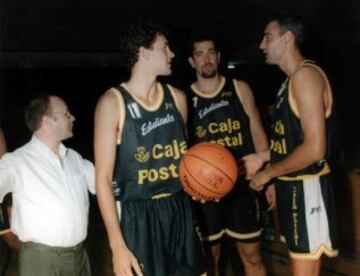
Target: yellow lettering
{"x": 156, "y": 152}
{"x": 142, "y": 175}
{"x": 153, "y": 174}
{"x": 213, "y": 128}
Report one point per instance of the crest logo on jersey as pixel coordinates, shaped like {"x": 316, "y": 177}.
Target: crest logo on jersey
{"x": 226, "y": 94}
{"x": 134, "y": 110}
{"x": 141, "y": 154}
{"x": 200, "y": 131}
{"x": 169, "y": 106}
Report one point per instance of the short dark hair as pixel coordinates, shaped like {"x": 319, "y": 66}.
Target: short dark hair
{"x": 139, "y": 34}
{"x": 197, "y": 37}
{"x": 291, "y": 23}
{"x": 35, "y": 110}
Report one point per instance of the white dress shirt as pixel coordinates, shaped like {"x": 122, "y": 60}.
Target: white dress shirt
{"x": 50, "y": 198}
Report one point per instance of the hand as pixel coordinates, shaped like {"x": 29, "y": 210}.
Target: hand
{"x": 259, "y": 180}
{"x": 252, "y": 163}
{"x": 270, "y": 196}
{"x": 125, "y": 263}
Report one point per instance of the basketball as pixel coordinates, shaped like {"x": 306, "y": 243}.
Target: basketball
{"x": 208, "y": 171}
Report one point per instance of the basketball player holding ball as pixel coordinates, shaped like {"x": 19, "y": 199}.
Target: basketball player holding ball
{"x": 223, "y": 111}
{"x": 139, "y": 140}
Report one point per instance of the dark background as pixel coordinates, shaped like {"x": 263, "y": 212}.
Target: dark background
{"x": 70, "y": 48}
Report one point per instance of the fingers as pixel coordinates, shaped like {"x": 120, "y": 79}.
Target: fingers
{"x": 256, "y": 187}
{"x": 136, "y": 266}
{"x": 203, "y": 201}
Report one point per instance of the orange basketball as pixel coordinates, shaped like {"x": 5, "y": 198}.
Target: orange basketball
{"x": 208, "y": 171}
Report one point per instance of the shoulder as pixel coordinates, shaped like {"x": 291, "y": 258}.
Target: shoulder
{"x": 109, "y": 97}
{"x": 242, "y": 86}
{"x": 307, "y": 74}
{"x": 177, "y": 93}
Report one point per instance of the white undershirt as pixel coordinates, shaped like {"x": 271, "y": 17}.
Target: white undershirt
{"x": 50, "y": 199}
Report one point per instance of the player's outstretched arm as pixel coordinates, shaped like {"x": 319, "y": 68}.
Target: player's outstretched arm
{"x": 105, "y": 138}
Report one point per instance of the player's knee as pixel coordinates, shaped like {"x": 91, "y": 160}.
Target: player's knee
{"x": 252, "y": 259}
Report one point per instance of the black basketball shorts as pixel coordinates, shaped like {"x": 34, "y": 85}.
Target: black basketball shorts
{"x": 306, "y": 211}
{"x": 163, "y": 235}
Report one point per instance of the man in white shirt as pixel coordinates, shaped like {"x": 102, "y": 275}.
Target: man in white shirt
{"x": 50, "y": 185}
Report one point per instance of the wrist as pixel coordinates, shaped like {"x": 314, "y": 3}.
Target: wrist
{"x": 268, "y": 171}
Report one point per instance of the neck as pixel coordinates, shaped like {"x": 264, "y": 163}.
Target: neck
{"x": 142, "y": 85}
{"x": 291, "y": 63}
{"x": 49, "y": 141}
{"x": 207, "y": 85}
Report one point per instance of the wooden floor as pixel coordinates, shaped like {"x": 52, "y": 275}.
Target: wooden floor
{"x": 275, "y": 257}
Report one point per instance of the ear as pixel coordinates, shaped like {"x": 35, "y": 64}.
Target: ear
{"x": 143, "y": 53}
{"x": 218, "y": 57}
{"x": 45, "y": 121}
{"x": 191, "y": 61}
{"x": 289, "y": 37}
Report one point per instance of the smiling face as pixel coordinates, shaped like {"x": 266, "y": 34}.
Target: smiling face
{"x": 273, "y": 43}
{"x": 61, "y": 118}
{"x": 205, "y": 59}
{"x": 160, "y": 56}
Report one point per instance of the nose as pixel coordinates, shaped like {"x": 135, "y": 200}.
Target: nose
{"x": 262, "y": 44}
{"x": 171, "y": 54}
{"x": 72, "y": 118}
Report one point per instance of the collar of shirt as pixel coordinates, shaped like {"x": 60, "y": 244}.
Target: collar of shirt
{"x": 42, "y": 148}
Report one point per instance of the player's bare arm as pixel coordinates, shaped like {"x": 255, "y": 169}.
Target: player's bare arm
{"x": 308, "y": 93}
{"x": 105, "y": 137}
{"x": 181, "y": 103}
{"x": 256, "y": 128}
{"x": 253, "y": 162}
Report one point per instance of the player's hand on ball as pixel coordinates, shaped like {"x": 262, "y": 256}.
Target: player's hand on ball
{"x": 203, "y": 201}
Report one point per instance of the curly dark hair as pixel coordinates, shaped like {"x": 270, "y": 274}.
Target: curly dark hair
{"x": 34, "y": 111}
{"x": 139, "y": 34}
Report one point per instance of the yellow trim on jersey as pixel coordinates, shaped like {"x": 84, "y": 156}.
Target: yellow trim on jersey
{"x": 215, "y": 236}
{"x": 328, "y": 94}
{"x": 143, "y": 104}
{"x": 120, "y": 99}
{"x": 161, "y": 195}
{"x": 325, "y": 170}
{"x": 233, "y": 234}
{"x": 322, "y": 249}
{"x": 214, "y": 93}
{"x": 173, "y": 94}
{"x": 5, "y": 231}
{"x": 238, "y": 93}
{"x": 243, "y": 236}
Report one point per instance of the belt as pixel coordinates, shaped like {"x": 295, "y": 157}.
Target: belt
{"x": 55, "y": 249}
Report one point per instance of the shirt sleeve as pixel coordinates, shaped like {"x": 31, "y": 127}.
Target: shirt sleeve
{"x": 7, "y": 179}
{"x": 89, "y": 173}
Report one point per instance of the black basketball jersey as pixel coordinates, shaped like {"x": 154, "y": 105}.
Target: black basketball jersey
{"x": 287, "y": 134}
{"x": 220, "y": 118}
{"x": 152, "y": 143}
